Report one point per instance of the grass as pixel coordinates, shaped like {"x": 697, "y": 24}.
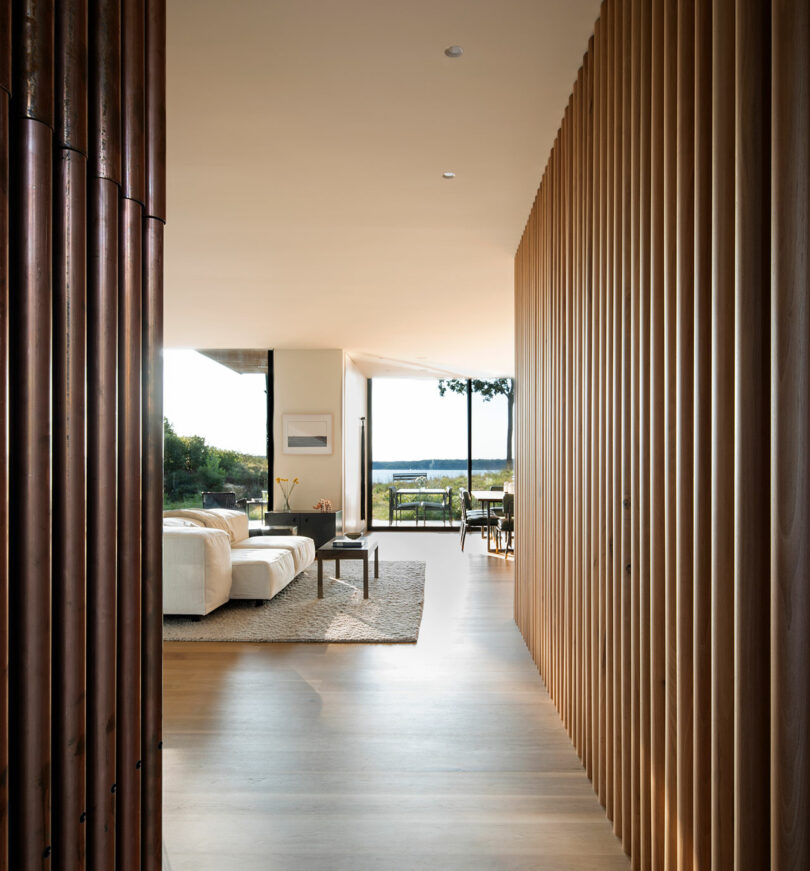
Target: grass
{"x": 481, "y": 481}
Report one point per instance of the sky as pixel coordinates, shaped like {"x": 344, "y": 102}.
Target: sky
{"x": 201, "y": 397}
{"x": 411, "y": 420}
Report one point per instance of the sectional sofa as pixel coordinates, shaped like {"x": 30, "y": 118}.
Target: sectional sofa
{"x": 209, "y": 557}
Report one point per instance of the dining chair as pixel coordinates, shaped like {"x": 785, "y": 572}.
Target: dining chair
{"x": 471, "y": 519}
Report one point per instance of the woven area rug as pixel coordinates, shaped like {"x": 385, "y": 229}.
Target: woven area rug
{"x": 392, "y": 613}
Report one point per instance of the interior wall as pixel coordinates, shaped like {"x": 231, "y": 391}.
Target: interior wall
{"x": 309, "y": 382}
{"x": 663, "y": 423}
{"x": 355, "y": 406}
{"x": 82, "y": 209}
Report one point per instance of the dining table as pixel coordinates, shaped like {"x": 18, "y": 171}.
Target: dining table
{"x": 488, "y": 498}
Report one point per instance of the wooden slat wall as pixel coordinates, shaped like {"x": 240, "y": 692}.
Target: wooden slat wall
{"x": 662, "y": 326}
{"x": 82, "y": 193}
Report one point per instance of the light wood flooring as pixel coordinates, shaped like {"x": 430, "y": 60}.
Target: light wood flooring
{"x": 446, "y": 754}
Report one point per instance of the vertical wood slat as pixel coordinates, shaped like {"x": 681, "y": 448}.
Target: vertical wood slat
{"x": 104, "y": 152}
{"x": 152, "y": 381}
{"x": 5, "y": 42}
{"x": 644, "y": 855}
{"x": 702, "y": 415}
{"x": 69, "y": 525}
{"x": 631, "y": 512}
{"x": 751, "y": 437}
{"x": 644, "y": 382}
{"x": 722, "y": 435}
{"x": 30, "y": 481}
{"x": 684, "y": 401}
{"x": 63, "y": 216}
{"x": 128, "y": 701}
{"x": 69, "y": 494}
{"x": 790, "y": 436}
{"x": 102, "y": 341}
{"x": 658, "y": 662}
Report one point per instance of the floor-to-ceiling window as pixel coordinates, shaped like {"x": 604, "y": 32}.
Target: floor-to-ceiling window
{"x": 430, "y": 439}
{"x": 215, "y": 426}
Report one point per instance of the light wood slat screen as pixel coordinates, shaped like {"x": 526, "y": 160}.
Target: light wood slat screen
{"x": 662, "y": 290}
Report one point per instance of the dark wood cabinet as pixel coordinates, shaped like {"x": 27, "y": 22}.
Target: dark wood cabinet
{"x": 317, "y": 525}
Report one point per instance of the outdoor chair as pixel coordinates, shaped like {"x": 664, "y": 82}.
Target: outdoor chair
{"x": 472, "y": 519}
{"x": 445, "y": 506}
{"x": 506, "y": 524}
{"x": 225, "y": 499}
{"x": 397, "y": 505}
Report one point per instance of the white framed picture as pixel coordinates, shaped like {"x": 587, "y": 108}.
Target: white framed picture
{"x": 307, "y": 433}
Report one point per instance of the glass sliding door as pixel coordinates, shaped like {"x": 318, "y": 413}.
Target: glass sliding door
{"x": 418, "y": 453}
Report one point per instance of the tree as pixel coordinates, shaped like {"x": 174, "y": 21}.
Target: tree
{"x": 487, "y": 390}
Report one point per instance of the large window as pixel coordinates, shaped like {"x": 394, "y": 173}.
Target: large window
{"x": 215, "y": 428}
{"x": 420, "y": 437}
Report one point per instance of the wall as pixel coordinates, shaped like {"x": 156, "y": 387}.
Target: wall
{"x": 355, "y": 406}
{"x": 82, "y": 207}
{"x": 309, "y": 382}
{"x": 663, "y": 423}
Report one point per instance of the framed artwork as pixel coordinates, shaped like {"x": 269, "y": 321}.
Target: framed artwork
{"x": 307, "y": 433}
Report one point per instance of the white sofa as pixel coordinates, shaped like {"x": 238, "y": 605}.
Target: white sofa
{"x": 209, "y": 557}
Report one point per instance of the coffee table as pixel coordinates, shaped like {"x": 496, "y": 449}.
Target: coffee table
{"x": 329, "y": 551}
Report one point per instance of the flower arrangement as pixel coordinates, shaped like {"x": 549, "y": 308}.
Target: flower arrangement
{"x": 286, "y": 486}
{"x": 323, "y": 505}
{"x": 421, "y": 482}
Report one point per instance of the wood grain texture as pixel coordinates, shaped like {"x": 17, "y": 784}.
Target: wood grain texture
{"x": 447, "y": 753}
{"x": 752, "y": 438}
{"x": 671, "y": 355}
{"x": 790, "y": 436}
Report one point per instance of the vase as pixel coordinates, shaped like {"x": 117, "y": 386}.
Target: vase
{"x": 286, "y": 505}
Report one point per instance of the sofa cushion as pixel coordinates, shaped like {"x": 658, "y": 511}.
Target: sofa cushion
{"x": 212, "y": 518}
{"x": 301, "y": 547}
{"x": 260, "y": 573}
{"x": 196, "y": 570}
{"x": 180, "y": 522}
{"x": 237, "y": 522}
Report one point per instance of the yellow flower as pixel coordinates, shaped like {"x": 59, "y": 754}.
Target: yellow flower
{"x": 278, "y": 480}
{"x": 295, "y": 481}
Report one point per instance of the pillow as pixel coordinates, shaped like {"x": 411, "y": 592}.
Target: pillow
{"x": 208, "y": 517}
{"x": 179, "y": 521}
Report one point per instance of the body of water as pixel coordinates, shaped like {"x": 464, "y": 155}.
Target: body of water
{"x": 385, "y": 476}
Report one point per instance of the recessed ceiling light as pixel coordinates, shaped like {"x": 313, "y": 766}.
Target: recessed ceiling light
{"x": 454, "y": 51}
{"x": 448, "y": 175}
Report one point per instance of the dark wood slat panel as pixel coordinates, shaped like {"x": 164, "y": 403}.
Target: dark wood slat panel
{"x": 156, "y": 109}
{"x": 722, "y": 529}
{"x": 4, "y": 519}
{"x": 102, "y": 342}
{"x": 790, "y": 359}
{"x": 702, "y": 519}
{"x": 751, "y": 437}
{"x": 30, "y": 481}
{"x": 33, "y": 60}
{"x": 105, "y": 89}
{"x": 70, "y": 129}
{"x": 152, "y": 628}
{"x": 69, "y": 497}
{"x": 684, "y": 435}
{"x": 128, "y": 701}
{"x": 133, "y": 100}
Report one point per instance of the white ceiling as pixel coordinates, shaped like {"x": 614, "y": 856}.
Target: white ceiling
{"x": 307, "y": 139}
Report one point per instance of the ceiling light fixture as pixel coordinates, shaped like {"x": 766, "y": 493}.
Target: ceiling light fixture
{"x": 454, "y": 51}
{"x": 448, "y": 175}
